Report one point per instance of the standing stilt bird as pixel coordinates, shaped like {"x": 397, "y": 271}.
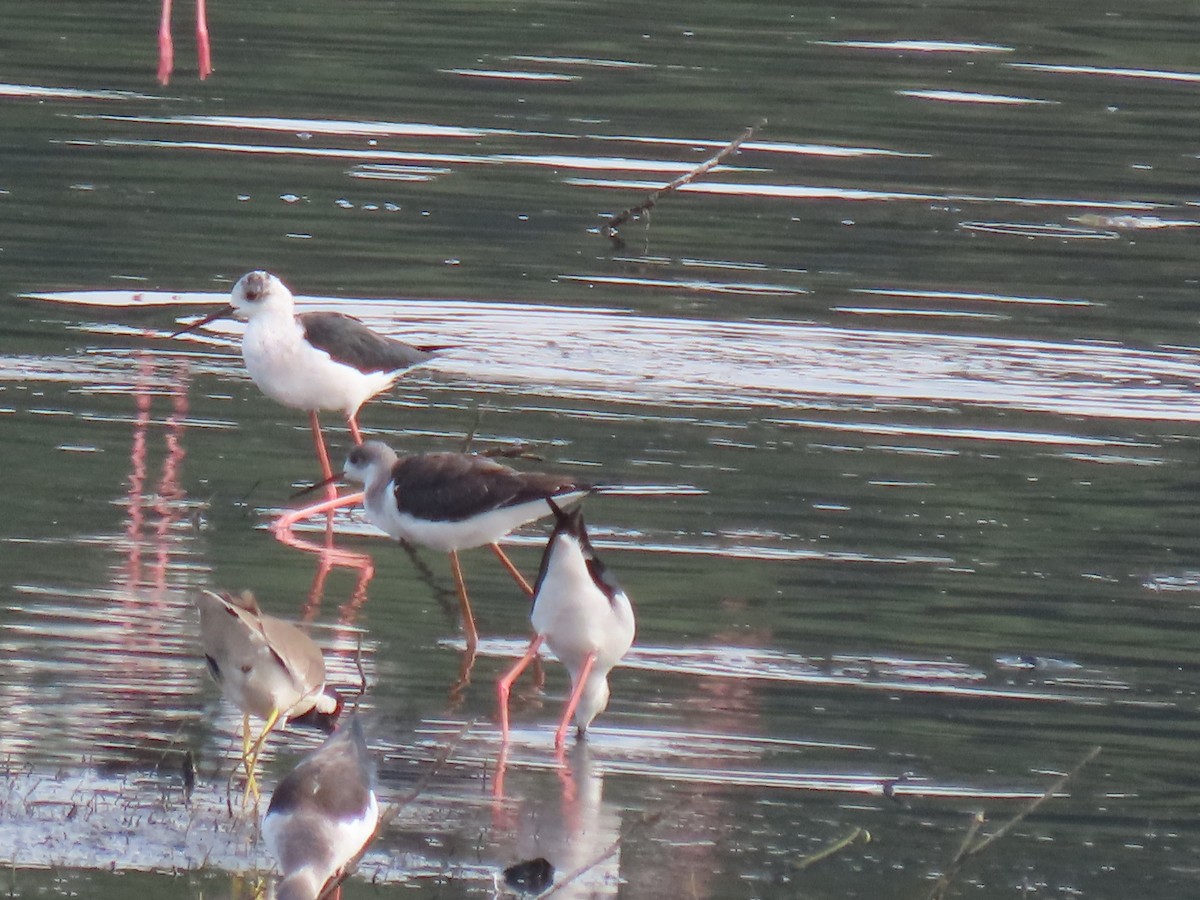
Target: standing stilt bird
{"x": 322, "y": 815}
{"x": 585, "y": 618}
{"x": 452, "y": 502}
{"x": 266, "y": 667}
{"x": 314, "y": 360}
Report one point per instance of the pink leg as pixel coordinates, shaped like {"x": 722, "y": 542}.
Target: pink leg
{"x": 560, "y": 736}
{"x": 504, "y": 685}
{"x": 166, "y": 49}
{"x": 203, "y": 53}
{"x": 287, "y": 520}
{"x": 352, "y": 421}
{"x": 512, "y": 570}
{"x": 322, "y": 456}
{"x": 464, "y": 603}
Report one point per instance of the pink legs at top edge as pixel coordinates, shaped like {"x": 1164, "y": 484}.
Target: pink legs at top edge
{"x": 166, "y": 47}
{"x": 203, "y": 51}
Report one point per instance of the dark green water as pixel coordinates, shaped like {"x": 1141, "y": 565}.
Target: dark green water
{"x": 906, "y": 396}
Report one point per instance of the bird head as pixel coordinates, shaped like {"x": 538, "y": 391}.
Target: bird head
{"x": 323, "y": 714}
{"x": 369, "y": 461}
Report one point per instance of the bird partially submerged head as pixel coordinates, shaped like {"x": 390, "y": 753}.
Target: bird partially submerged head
{"x": 323, "y": 715}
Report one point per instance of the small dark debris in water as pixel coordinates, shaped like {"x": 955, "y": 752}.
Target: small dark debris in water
{"x": 529, "y": 878}
{"x": 188, "y": 770}
{"x": 890, "y": 784}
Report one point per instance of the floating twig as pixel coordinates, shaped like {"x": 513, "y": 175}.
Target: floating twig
{"x": 970, "y": 848}
{"x": 835, "y": 847}
{"x": 612, "y": 227}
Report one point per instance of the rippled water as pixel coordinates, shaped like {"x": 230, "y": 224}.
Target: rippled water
{"x": 897, "y": 408}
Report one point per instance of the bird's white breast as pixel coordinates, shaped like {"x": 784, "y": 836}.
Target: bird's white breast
{"x": 304, "y": 839}
{"x": 291, "y": 371}
{"x": 485, "y": 528}
{"x": 576, "y": 617}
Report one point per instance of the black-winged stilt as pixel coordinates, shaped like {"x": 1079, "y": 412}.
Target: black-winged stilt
{"x": 266, "y": 667}
{"x": 448, "y": 502}
{"x": 313, "y": 360}
{"x": 583, "y": 615}
{"x": 322, "y": 815}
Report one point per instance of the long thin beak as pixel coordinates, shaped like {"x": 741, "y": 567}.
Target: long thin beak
{"x": 224, "y": 312}
{"x": 303, "y": 492}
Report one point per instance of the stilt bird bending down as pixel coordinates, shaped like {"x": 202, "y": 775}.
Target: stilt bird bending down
{"x": 585, "y": 618}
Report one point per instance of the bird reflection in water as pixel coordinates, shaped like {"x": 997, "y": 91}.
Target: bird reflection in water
{"x": 577, "y": 832}
{"x": 168, "y": 502}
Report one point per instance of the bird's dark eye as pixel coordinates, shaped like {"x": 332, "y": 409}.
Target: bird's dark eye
{"x": 357, "y": 456}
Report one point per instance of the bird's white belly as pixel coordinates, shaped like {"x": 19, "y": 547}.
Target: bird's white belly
{"x": 445, "y": 536}
{"x": 296, "y": 374}
{"x": 322, "y": 845}
{"x": 577, "y": 619}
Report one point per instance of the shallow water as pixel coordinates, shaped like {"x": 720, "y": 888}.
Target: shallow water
{"x": 898, "y": 407}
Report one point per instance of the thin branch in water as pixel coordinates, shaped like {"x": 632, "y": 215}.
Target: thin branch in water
{"x": 469, "y": 437}
{"x": 968, "y": 849}
{"x": 611, "y": 228}
{"x": 362, "y": 675}
{"x": 836, "y": 847}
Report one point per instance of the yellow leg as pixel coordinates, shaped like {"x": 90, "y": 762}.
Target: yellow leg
{"x": 250, "y": 752}
{"x": 248, "y": 762}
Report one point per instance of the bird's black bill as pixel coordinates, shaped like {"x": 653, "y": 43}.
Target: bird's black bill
{"x": 224, "y": 312}
{"x": 304, "y": 492}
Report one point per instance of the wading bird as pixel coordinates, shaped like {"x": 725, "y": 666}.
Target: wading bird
{"x": 584, "y": 617}
{"x": 322, "y": 815}
{"x": 448, "y": 502}
{"x": 314, "y": 360}
{"x": 266, "y": 667}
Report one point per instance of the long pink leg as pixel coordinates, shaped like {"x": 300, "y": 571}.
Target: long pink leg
{"x": 322, "y": 456}
{"x": 285, "y": 522}
{"x": 352, "y": 421}
{"x": 560, "y": 736}
{"x": 166, "y": 48}
{"x": 203, "y": 53}
{"x": 512, "y": 570}
{"x": 464, "y": 602}
{"x": 504, "y": 685}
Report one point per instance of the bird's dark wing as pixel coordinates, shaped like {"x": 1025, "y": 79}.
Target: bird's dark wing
{"x": 349, "y": 341}
{"x": 449, "y": 487}
{"x": 335, "y": 780}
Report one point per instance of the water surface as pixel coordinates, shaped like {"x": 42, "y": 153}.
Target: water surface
{"x": 901, "y": 400}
